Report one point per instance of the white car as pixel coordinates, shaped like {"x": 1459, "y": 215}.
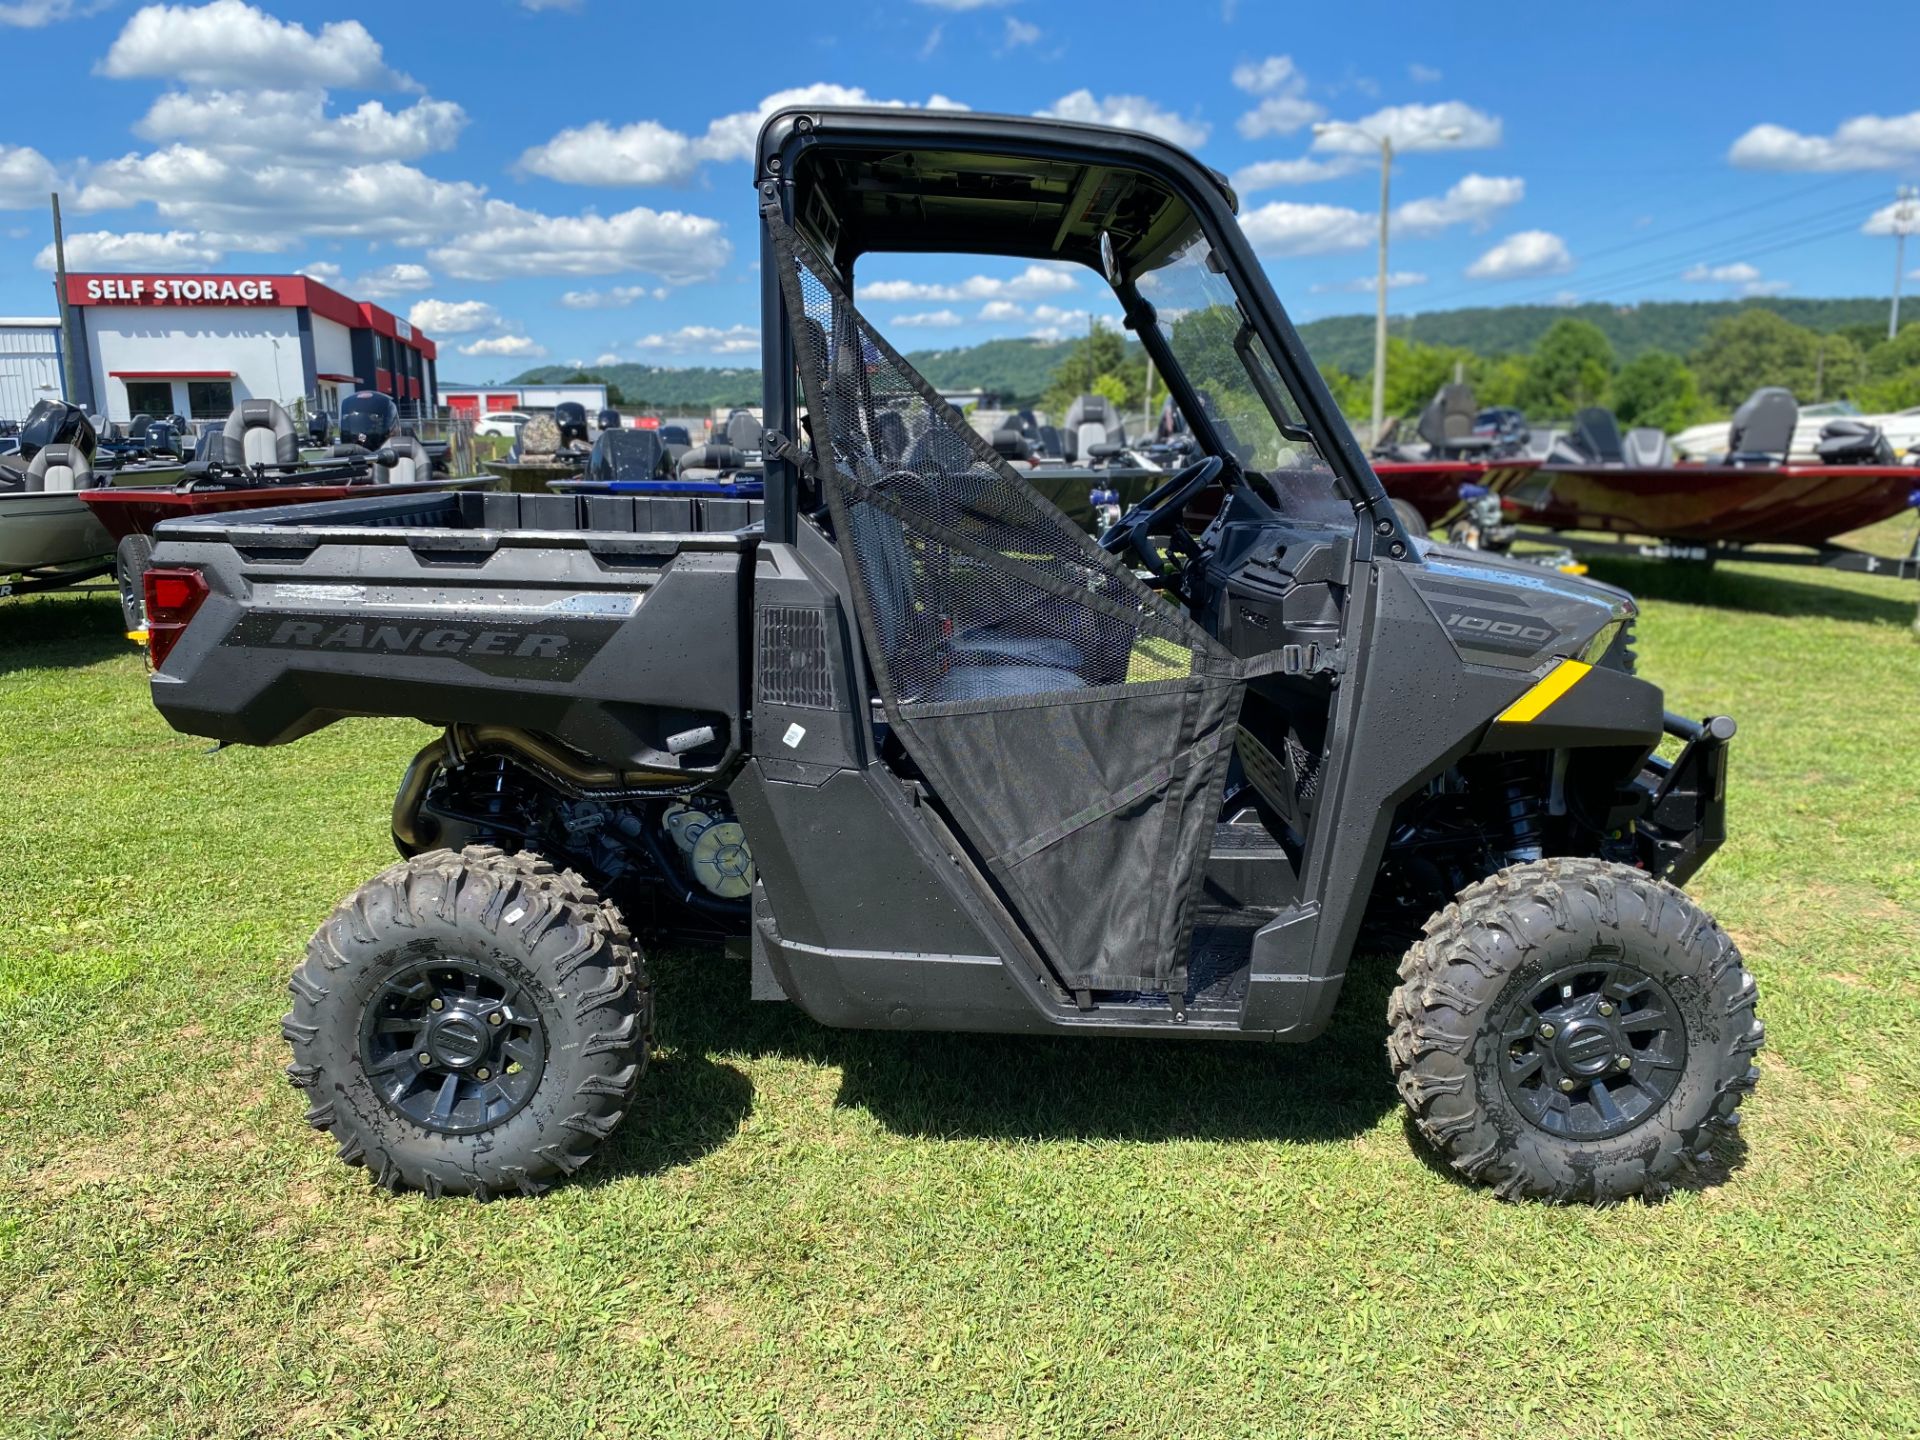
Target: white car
{"x": 502, "y": 422}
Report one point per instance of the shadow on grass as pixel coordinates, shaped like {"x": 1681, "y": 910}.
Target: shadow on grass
{"x": 1035, "y": 1088}
{"x": 688, "y": 1106}
{"x": 62, "y": 629}
{"x": 1779, "y": 594}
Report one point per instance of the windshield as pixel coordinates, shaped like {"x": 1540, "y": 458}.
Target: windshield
{"x": 1238, "y": 383}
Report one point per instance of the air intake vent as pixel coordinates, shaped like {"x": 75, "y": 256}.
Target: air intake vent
{"x": 794, "y": 669}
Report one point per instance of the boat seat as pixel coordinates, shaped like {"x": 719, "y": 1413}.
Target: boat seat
{"x": 988, "y": 682}
{"x": 1092, "y": 420}
{"x": 1646, "y": 448}
{"x": 1011, "y": 445}
{"x": 259, "y": 432}
{"x": 744, "y": 433}
{"x": 412, "y": 465}
{"x": 1446, "y": 424}
{"x": 1597, "y": 436}
{"x": 711, "y": 458}
{"x": 59, "y": 468}
{"x": 1762, "y": 428}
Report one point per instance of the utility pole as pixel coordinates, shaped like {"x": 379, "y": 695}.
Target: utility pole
{"x": 1903, "y": 217}
{"x": 66, "y": 314}
{"x": 1385, "y": 142}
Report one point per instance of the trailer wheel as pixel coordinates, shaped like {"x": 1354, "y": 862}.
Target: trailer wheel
{"x": 470, "y": 1024}
{"x": 130, "y": 561}
{"x": 1572, "y": 1030}
{"x": 1411, "y": 517}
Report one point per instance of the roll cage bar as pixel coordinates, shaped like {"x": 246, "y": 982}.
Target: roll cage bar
{"x": 814, "y": 134}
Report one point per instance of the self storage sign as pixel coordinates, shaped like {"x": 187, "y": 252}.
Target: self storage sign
{"x": 183, "y": 290}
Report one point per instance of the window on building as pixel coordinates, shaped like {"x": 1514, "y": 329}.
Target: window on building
{"x": 209, "y": 399}
{"x": 149, "y": 397}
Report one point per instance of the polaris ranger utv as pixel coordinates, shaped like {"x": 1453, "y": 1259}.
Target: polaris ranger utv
{"x": 942, "y": 761}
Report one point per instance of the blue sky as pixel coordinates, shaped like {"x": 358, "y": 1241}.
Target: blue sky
{"x": 565, "y": 180}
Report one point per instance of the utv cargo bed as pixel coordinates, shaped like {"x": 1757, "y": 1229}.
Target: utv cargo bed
{"x": 472, "y": 608}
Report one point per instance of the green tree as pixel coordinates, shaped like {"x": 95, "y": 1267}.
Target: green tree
{"x": 1570, "y": 368}
{"x": 1892, "y": 373}
{"x": 1657, "y": 389}
{"x": 1754, "y": 348}
{"x": 1101, "y": 352}
{"x": 1415, "y": 371}
{"x": 1498, "y": 381}
{"x": 1353, "y": 395}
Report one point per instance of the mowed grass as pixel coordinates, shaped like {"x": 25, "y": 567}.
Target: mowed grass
{"x": 809, "y": 1233}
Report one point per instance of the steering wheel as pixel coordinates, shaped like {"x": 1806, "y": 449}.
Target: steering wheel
{"x": 1133, "y": 530}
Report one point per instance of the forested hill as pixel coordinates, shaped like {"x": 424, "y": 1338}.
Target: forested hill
{"x": 1021, "y": 370}
{"x": 1345, "y": 342}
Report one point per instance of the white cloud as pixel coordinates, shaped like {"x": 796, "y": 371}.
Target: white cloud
{"x": 1269, "y": 76}
{"x": 1367, "y": 284}
{"x": 1423, "y": 74}
{"x": 26, "y": 178}
{"x": 518, "y": 346}
{"x": 618, "y": 298}
{"x": 32, "y": 14}
{"x": 1901, "y": 217}
{"x": 1019, "y": 33}
{"x": 929, "y": 318}
{"x": 1866, "y": 142}
{"x": 388, "y": 281}
{"x": 1738, "y": 273}
{"x": 325, "y": 271}
{"x": 1283, "y": 228}
{"x": 1279, "y": 115}
{"x": 295, "y": 122}
{"x": 1414, "y": 127}
{"x": 1269, "y": 174}
{"x": 1472, "y": 200}
{"x": 606, "y": 358}
{"x": 135, "y": 250}
{"x": 1523, "y": 255}
{"x": 453, "y": 317}
{"x": 1128, "y": 112}
{"x": 1034, "y": 281}
{"x": 704, "y": 339}
{"x": 643, "y": 153}
{"x": 229, "y": 42}
{"x": 1041, "y": 322}
{"x": 679, "y": 248}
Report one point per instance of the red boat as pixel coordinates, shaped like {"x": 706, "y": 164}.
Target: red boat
{"x": 1433, "y": 486}
{"x": 133, "y": 510}
{"x": 1714, "y": 504}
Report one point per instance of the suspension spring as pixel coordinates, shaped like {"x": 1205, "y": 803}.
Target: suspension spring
{"x": 1513, "y": 786}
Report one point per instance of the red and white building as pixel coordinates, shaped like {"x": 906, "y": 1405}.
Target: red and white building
{"x": 197, "y": 345}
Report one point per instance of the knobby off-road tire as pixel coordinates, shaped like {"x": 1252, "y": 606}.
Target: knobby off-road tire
{"x": 1499, "y": 1067}
{"x": 514, "y": 979}
{"x": 131, "y": 559}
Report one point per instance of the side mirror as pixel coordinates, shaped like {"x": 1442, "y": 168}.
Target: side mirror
{"x": 387, "y": 458}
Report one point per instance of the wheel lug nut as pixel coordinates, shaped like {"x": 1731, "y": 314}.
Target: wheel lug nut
{"x": 1566, "y": 1084}
{"x": 424, "y": 1058}
{"x": 1625, "y": 1062}
{"x": 483, "y": 1074}
{"x": 1546, "y": 1031}
{"x": 496, "y": 1018}
{"x": 436, "y": 1003}
{"x": 1605, "y": 1008}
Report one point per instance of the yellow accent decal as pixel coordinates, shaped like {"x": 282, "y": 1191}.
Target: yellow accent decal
{"x": 1562, "y": 678}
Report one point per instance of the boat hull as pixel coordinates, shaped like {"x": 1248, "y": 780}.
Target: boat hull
{"x": 42, "y": 530}
{"x": 1725, "y": 504}
{"x": 1433, "y": 486}
{"x": 131, "y": 510}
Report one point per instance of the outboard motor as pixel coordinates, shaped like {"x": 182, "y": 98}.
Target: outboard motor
{"x": 570, "y": 416}
{"x": 1853, "y": 442}
{"x": 607, "y": 420}
{"x": 369, "y": 419}
{"x": 1596, "y": 434}
{"x": 54, "y": 422}
{"x": 320, "y": 428}
{"x": 162, "y": 438}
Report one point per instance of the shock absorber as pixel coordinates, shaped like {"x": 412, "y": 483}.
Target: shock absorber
{"x": 1512, "y": 787}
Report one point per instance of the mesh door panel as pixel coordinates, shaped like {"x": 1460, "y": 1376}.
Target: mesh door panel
{"x": 1073, "y": 722}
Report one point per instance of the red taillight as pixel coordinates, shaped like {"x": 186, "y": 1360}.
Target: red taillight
{"x": 174, "y": 597}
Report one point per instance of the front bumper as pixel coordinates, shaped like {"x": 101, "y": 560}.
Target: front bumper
{"x": 1686, "y": 815}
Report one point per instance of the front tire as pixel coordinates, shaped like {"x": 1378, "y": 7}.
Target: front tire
{"x": 470, "y": 1024}
{"x": 1568, "y": 1030}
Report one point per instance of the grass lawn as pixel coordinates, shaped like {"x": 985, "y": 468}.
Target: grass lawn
{"x": 807, "y": 1233}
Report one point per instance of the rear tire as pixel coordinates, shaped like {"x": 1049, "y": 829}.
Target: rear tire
{"x": 1569, "y": 1030}
{"x": 131, "y": 558}
{"x": 470, "y": 1024}
{"x": 1411, "y": 517}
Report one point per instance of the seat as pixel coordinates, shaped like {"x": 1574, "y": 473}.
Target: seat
{"x": 1012, "y": 445}
{"x": 412, "y": 464}
{"x": 137, "y": 427}
{"x": 744, "y": 433}
{"x": 1596, "y": 434}
{"x": 711, "y": 459}
{"x": 59, "y": 468}
{"x": 988, "y": 682}
{"x": 1446, "y": 424}
{"x": 1091, "y": 420}
{"x": 1762, "y": 429}
{"x": 207, "y": 445}
{"x": 1646, "y": 448}
{"x": 259, "y": 432}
